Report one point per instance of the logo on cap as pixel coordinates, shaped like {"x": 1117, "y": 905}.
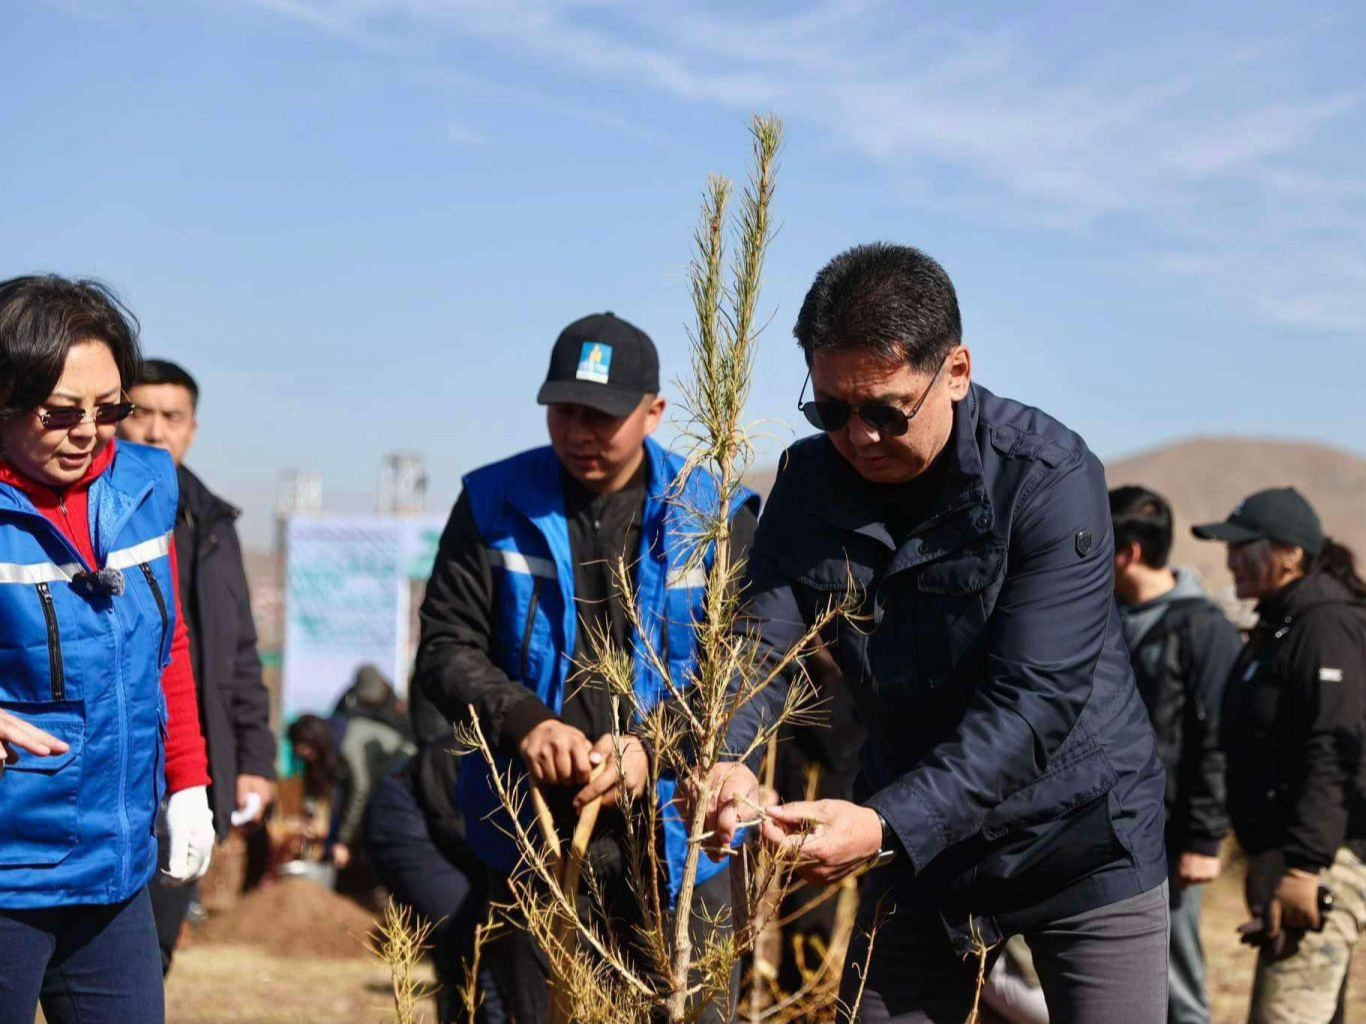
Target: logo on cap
{"x": 595, "y": 362}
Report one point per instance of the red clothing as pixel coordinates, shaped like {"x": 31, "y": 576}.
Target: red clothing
{"x": 187, "y": 762}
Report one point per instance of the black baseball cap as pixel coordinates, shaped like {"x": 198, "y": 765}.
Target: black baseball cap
{"x": 1282, "y": 515}
{"x": 602, "y": 362}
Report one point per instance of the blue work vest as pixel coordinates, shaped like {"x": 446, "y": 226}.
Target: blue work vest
{"x": 85, "y": 665}
{"x": 518, "y": 508}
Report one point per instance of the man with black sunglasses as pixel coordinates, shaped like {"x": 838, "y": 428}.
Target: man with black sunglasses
{"x": 1010, "y": 782}
{"x": 522, "y": 593}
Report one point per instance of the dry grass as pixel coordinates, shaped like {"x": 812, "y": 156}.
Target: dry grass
{"x": 220, "y": 983}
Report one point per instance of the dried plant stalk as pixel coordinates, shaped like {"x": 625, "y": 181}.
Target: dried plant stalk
{"x": 401, "y": 941}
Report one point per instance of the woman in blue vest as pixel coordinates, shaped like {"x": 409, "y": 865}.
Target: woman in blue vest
{"x": 98, "y": 715}
{"x": 522, "y": 591}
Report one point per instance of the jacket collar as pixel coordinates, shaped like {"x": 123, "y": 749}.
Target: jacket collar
{"x": 1299, "y": 596}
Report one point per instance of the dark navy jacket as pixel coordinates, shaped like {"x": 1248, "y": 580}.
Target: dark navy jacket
{"x": 1008, "y": 747}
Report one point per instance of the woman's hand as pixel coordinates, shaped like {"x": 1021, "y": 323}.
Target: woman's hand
{"x": 16, "y": 734}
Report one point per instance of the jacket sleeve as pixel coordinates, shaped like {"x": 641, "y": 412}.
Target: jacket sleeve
{"x": 187, "y": 762}
{"x": 1046, "y": 636}
{"x": 249, "y": 700}
{"x": 1201, "y": 817}
{"x": 1325, "y": 671}
{"x": 774, "y": 617}
{"x": 455, "y": 667}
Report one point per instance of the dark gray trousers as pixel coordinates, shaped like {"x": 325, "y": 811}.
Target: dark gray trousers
{"x": 1104, "y": 965}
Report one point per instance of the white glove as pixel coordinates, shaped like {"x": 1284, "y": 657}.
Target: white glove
{"x": 189, "y": 824}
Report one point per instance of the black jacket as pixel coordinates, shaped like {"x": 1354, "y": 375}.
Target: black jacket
{"x": 1008, "y": 748}
{"x": 234, "y": 705}
{"x": 1182, "y": 656}
{"x": 1294, "y": 712}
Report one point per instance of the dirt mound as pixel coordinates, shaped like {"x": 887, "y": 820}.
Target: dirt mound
{"x": 294, "y": 918}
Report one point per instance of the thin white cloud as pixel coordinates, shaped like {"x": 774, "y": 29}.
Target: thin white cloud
{"x": 1195, "y": 138}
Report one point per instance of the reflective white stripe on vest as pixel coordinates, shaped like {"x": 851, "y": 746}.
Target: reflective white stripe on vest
{"x": 36, "y": 572}
{"x": 695, "y": 577}
{"x": 516, "y": 562}
{"x": 147, "y": 551}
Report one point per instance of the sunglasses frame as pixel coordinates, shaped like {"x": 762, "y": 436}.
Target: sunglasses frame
{"x": 98, "y": 415}
{"x": 902, "y": 418}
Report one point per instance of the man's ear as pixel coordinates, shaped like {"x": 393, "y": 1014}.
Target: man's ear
{"x": 654, "y": 412}
{"x": 1127, "y": 555}
{"x": 959, "y": 370}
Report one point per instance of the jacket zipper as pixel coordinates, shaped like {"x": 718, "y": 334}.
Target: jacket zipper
{"x": 526, "y": 631}
{"x": 161, "y": 602}
{"x": 54, "y": 644}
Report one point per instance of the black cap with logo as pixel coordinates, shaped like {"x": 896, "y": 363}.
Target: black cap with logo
{"x": 602, "y": 362}
{"x": 1282, "y": 515}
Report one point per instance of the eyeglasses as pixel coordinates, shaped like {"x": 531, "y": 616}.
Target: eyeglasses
{"x": 886, "y": 419}
{"x": 67, "y": 417}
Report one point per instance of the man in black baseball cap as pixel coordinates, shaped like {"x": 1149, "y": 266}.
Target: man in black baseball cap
{"x": 520, "y": 600}
{"x": 1279, "y": 515}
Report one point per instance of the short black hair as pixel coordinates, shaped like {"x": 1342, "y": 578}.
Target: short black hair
{"x": 42, "y": 316}
{"x": 892, "y": 300}
{"x": 163, "y": 371}
{"x": 1138, "y": 514}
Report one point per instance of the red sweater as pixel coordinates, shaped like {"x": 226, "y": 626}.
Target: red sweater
{"x": 186, "y": 760}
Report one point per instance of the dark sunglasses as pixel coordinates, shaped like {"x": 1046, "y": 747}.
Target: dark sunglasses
{"x": 67, "y": 417}
{"x": 886, "y": 419}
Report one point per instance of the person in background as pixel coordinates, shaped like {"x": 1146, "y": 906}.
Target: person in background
{"x": 1293, "y": 721}
{"x": 371, "y": 696}
{"x": 415, "y": 840}
{"x": 1182, "y": 647}
{"x": 234, "y": 705}
{"x": 372, "y": 739}
{"x": 98, "y": 713}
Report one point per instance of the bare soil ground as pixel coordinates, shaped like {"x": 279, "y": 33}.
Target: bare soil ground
{"x": 221, "y": 982}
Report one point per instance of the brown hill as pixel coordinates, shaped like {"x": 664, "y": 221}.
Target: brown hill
{"x": 1204, "y": 478}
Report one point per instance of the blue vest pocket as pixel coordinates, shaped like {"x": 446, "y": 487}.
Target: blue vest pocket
{"x": 38, "y": 810}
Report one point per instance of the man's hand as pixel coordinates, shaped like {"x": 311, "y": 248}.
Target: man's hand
{"x": 556, "y": 753}
{"x": 1295, "y": 904}
{"x": 1193, "y": 868}
{"x": 254, "y": 793}
{"x": 15, "y": 733}
{"x": 634, "y": 771}
{"x": 341, "y": 856}
{"x": 831, "y": 838}
{"x": 732, "y": 798}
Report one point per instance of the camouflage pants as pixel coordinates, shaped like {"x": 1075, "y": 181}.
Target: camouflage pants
{"x": 1305, "y": 981}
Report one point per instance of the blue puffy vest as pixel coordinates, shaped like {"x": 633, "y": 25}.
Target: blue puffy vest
{"x": 518, "y": 508}
{"x": 85, "y": 665}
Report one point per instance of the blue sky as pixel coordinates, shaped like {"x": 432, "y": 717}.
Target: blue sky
{"x": 361, "y": 223}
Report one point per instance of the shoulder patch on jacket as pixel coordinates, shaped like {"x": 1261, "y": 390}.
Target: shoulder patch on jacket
{"x": 1014, "y": 443}
{"x": 1327, "y": 675}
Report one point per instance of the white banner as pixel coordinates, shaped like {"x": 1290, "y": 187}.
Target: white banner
{"x": 347, "y": 602}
